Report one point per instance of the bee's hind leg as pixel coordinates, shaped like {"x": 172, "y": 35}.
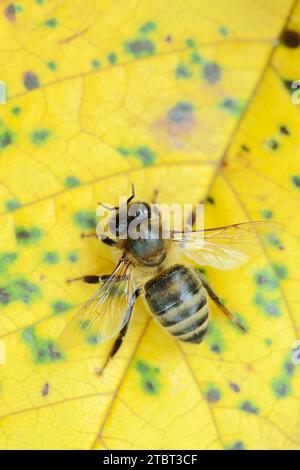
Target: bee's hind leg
{"x": 221, "y": 306}
{"x": 119, "y": 339}
{"x": 90, "y": 279}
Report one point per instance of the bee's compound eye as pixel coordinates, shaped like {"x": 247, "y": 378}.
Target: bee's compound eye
{"x": 139, "y": 210}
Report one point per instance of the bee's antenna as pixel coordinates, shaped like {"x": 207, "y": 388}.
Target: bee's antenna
{"x": 107, "y": 207}
{"x": 132, "y": 194}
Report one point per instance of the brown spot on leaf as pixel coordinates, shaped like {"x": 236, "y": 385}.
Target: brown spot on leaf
{"x": 290, "y": 38}
{"x": 10, "y": 13}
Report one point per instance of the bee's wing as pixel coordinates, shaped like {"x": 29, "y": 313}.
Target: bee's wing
{"x": 225, "y": 247}
{"x": 106, "y": 312}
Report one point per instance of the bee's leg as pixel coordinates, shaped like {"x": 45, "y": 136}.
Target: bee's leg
{"x": 108, "y": 241}
{"x": 90, "y": 279}
{"x": 155, "y": 196}
{"x": 118, "y": 341}
{"x": 103, "y": 238}
{"x": 221, "y": 306}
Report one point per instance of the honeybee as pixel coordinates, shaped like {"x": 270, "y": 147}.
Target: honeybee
{"x": 175, "y": 292}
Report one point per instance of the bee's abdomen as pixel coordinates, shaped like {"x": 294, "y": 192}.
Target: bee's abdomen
{"x": 178, "y": 300}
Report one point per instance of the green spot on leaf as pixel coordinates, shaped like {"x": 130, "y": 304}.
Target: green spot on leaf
{"x": 182, "y": 72}
{"x": 141, "y": 47}
{"x": 61, "y": 306}
{"x": 112, "y": 58}
{"x": 28, "y": 236}
{"x": 51, "y": 23}
{"x": 148, "y": 27}
{"x": 18, "y": 289}
{"x": 149, "y": 377}
{"x": 12, "y": 204}
{"x": 85, "y": 219}
{"x": 39, "y": 137}
{"x": 72, "y": 182}
{"x": 6, "y": 259}
{"x": 51, "y": 257}
{"x": 43, "y": 350}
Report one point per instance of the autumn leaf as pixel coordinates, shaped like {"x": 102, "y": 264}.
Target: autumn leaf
{"x": 193, "y": 98}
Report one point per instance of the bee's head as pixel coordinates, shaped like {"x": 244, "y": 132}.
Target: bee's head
{"x": 131, "y": 211}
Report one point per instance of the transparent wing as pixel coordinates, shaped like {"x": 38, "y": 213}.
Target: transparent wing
{"x": 225, "y": 247}
{"x": 106, "y": 312}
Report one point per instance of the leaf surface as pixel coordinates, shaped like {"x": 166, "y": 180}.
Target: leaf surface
{"x": 189, "y": 97}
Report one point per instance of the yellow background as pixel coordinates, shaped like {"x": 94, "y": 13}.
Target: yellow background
{"x": 188, "y": 96}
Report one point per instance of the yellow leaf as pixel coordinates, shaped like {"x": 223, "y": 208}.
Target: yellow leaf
{"x": 193, "y": 98}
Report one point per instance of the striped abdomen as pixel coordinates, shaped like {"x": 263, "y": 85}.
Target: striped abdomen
{"x": 178, "y": 300}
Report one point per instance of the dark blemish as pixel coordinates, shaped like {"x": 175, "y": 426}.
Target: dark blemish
{"x": 249, "y": 408}
{"x": 196, "y": 58}
{"x": 96, "y": 64}
{"x": 210, "y": 200}
{"x": 238, "y": 445}
{"x": 19, "y": 289}
{"x": 245, "y": 148}
{"x": 269, "y": 307}
{"x": 30, "y": 80}
{"x": 272, "y": 144}
{"x": 93, "y": 340}
{"x": 296, "y": 181}
{"x": 267, "y": 214}
{"x": 289, "y": 367}
{"x": 45, "y": 389}
{"x": 51, "y": 23}
{"x": 146, "y": 155}
{"x": 168, "y": 39}
{"x": 16, "y": 110}
{"x": 85, "y": 219}
{"x": 288, "y": 85}
{"x": 149, "y": 377}
{"x": 181, "y": 112}
{"x": 266, "y": 279}
{"x": 142, "y": 367}
{"x": 212, "y": 72}
{"x": 148, "y": 27}
{"x": 231, "y": 105}
{"x": 213, "y": 395}
{"x": 290, "y": 38}
{"x": 112, "y": 58}
{"x": 234, "y": 387}
{"x": 28, "y": 236}
{"x": 12, "y": 204}
{"x": 215, "y": 348}
{"x": 40, "y": 136}
{"x": 4, "y": 296}
{"x": 53, "y": 353}
{"x": 182, "y": 71}
{"x": 60, "y": 306}
{"x": 273, "y": 240}
{"x": 281, "y": 388}
{"x": 7, "y": 138}
{"x": 223, "y": 31}
{"x": 52, "y": 65}
{"x": 51, "y": 257}
{"x": 72, "y": 257}
{"x": 140, "y": 48}
{"x": 284, "y": 130}
{"x": 280, "y": 270}
{"x": 10, "y": 12}
{"x": 71, "y": 182}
